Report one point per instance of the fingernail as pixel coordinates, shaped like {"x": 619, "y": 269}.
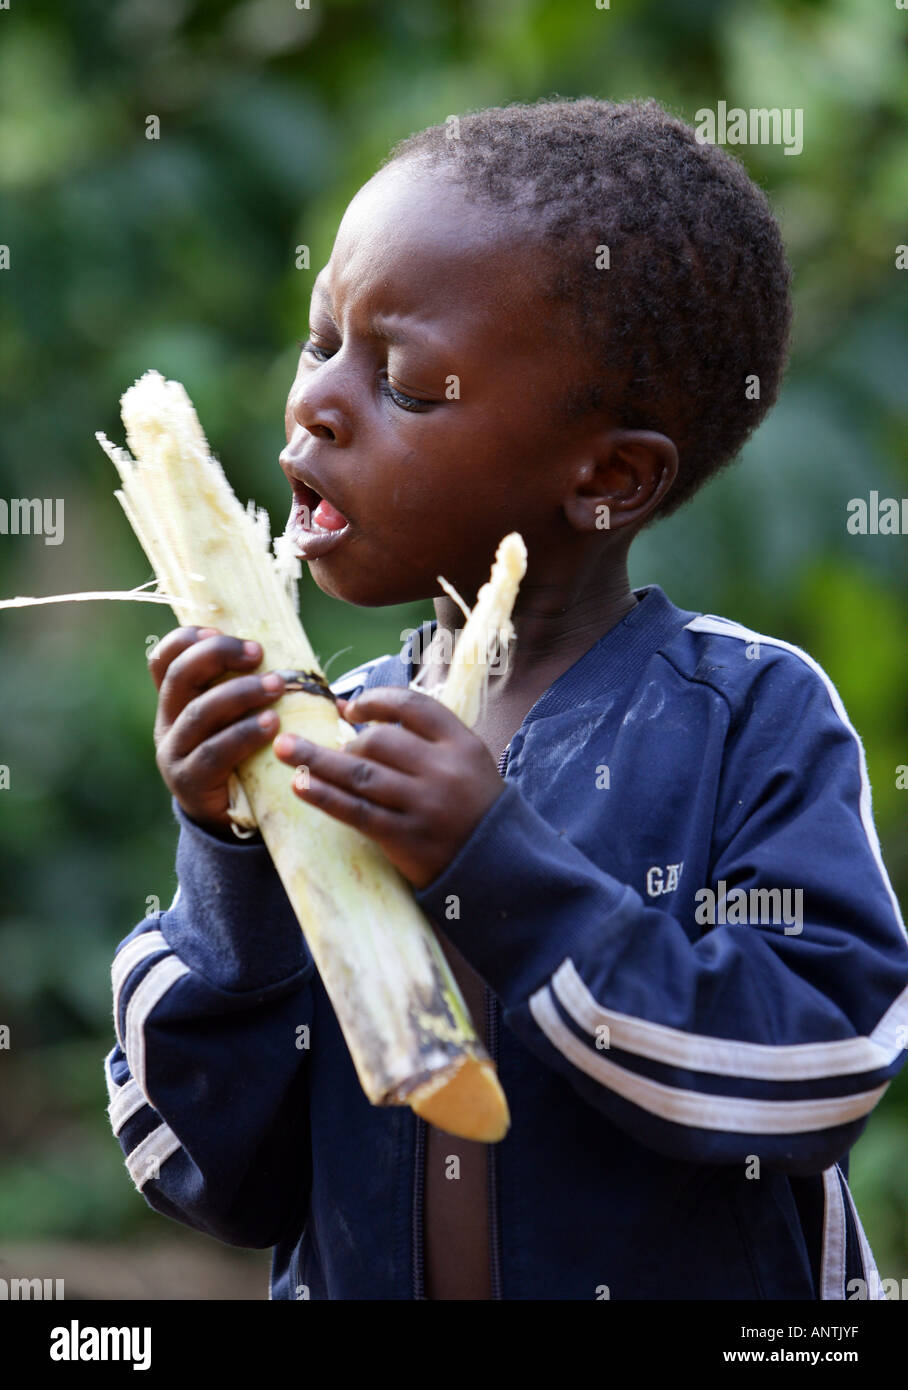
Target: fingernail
{"x": 283, "y": 745}
{"x": 267, "y": 720}
{"x": 207, "y": 632}
{"x": 251, "y": 649}
{"x": 272, "y": 682}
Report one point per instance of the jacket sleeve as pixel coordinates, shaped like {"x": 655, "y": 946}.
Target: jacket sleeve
{"x": 720, "y": 1042}
{"x": 208, "y": 1078}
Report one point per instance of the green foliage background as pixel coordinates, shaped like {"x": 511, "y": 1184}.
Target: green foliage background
{"x": 127, "y": 253}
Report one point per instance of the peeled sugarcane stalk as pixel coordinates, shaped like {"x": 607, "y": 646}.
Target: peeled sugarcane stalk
{"x": 487, "y": 632}
{"x": 403, "y": 1017}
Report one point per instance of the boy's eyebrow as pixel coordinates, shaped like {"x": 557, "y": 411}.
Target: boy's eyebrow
{"x": 320, "y": 293}
{"x": 384, "y": 326}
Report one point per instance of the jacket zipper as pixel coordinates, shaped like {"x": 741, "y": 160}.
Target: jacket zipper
{"x": 419, "y": 1279}
{"x": 491, "y": 1036}
{"x": 419, "y": 1175}
{"x": 492, "y": 1157}
{"x": 492, "y": 1007}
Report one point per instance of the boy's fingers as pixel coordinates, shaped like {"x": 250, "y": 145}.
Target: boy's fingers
{"x": 199, "y": 664}
{"x": 392, "y": 745}
{"x": 214, "y": 760}
{"x": 379, "y": 784}
{"x": 415, "y": 710}
{"x": 170, "y": 647}
{"x": 219, "y": 707}
{"x": 380, "y": 822}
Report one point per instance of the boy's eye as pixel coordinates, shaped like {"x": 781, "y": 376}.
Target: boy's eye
{"x": 401, "y": 400}
{"x": 398, "y": 397}
{"x": 307, "y": 345}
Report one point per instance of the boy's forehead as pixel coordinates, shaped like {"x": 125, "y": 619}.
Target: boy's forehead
{"x": 410, "y": 241}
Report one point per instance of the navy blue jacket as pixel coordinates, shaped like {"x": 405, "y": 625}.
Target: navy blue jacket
{"x": 697, "y": 991}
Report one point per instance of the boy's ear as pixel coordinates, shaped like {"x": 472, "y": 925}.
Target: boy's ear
{"x": 622, "y": 481}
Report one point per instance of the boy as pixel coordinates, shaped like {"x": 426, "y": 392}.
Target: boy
{"x": 652, "y": 864}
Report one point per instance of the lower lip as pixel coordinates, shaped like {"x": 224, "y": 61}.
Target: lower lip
{"x": 311, "y": 543}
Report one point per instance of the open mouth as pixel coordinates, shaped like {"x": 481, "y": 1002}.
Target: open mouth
{"x": 315, "y": 524}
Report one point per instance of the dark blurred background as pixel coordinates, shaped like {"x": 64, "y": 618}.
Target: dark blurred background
{"x": 179, "y": 253}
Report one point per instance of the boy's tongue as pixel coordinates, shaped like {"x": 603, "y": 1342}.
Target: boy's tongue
{"x": 328, "y": 516}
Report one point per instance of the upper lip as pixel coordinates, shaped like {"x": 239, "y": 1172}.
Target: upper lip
{"x": 298, "y": 471}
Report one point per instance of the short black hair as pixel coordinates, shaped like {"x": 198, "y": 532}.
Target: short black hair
{"x": 696, "y": 300}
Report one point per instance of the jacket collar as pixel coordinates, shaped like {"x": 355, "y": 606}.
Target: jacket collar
{"x": 605, "y": 666}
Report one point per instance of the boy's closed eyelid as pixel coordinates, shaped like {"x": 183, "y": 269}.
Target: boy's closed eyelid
{"x": 320, "y": 333}
{"x": 309, "y": 345}
{"x": 413, "y": 403}
{"x": 392, "y": 387}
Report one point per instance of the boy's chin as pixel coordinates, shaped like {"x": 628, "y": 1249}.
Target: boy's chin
{"x": 368, "y": 589}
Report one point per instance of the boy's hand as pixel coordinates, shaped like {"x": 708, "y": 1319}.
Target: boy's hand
{"x": 416, "y": 787}
{"x": 203, "y": 729}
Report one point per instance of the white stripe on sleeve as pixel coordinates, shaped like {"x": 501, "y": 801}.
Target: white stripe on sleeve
{"x": 144, "y": 998}
{"x": 726, "y": 1056}
{"x": 144, "y": 1163}
{"x": 126, "y": 960}
{"x": 699, "y": 1110}
{"x": 124, "y": 1105}
{"x": 112, "y": 1087}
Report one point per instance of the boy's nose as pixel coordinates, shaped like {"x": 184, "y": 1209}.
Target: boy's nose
{"x": 320, "y": 417}
{"x": 321, "y": 431}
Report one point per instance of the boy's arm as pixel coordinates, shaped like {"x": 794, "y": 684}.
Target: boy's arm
{"x": 208, "y": 1080}
{"x": 747, "y": 1040}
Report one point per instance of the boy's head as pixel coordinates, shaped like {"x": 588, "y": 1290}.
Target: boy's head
{"x": 579, "y": 297}
{"x": 695, "y": 298}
